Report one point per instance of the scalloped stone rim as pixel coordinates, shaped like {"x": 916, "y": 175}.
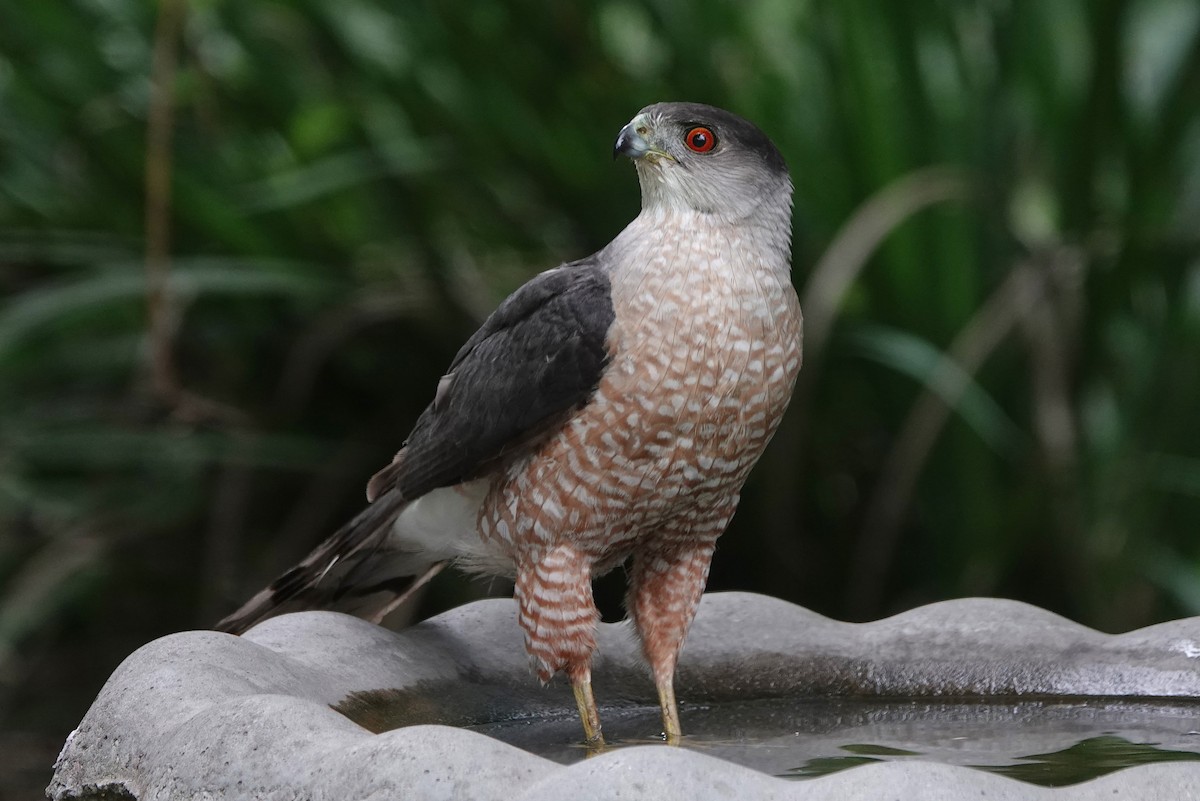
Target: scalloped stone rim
{"x": 203, "y": 712}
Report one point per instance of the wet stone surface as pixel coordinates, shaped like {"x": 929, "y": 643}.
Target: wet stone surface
{"x": 777, "y": 702}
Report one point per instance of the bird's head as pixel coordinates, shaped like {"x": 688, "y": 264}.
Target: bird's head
{"x": 699, "y": 158}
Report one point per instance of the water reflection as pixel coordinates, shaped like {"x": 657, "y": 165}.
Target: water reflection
{"x": 1050, "y": 742}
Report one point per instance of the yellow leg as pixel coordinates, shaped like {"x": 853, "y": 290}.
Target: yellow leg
{"x": 670, "y": 712}
{"x": 588, "y": 714}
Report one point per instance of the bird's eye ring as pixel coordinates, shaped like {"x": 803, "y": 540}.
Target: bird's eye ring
{"x": 700, "y": 140}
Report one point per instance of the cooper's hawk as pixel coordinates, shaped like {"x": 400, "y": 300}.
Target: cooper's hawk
{"x": 607, "y": 413}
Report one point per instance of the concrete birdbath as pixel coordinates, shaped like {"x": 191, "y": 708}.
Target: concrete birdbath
{"x": 965, "y": 699}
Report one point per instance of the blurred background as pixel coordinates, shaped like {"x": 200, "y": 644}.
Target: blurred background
{"x": 240, "y": 241}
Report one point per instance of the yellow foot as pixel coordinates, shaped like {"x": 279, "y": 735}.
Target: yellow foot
{"x": 670, "y": 713}
{"x": 588, "y": 714}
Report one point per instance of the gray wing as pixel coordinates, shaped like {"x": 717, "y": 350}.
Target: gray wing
{"x": 540, "y": 355}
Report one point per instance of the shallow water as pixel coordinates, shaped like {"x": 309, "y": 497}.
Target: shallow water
{"x": 1050, "y": 742}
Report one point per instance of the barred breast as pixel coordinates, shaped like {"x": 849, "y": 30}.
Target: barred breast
{"x": 705, "y": 350}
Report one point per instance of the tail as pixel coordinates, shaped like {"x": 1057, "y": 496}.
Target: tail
{"x": 358, "y": 570}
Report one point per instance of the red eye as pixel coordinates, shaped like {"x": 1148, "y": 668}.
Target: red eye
{"x": 700, "y": 140}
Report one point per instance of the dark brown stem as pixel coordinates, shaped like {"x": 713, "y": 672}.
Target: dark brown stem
{"x": 159, "y": 125}
{"x": 160, "y": 307}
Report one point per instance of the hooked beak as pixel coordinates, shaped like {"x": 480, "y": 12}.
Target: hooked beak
{"x": 632, "y": 142}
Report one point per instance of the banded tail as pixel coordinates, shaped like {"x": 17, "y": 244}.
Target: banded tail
{"x": 359, "y": 570}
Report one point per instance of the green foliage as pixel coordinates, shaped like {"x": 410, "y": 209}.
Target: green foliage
{"x": 1001, "y": 382}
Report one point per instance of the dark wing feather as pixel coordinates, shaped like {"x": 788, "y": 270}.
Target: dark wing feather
{"x": 538, "y": 356}
{"x": 357, "y": 571}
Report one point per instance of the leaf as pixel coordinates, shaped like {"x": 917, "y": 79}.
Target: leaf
{"x": 46, "y": 306}
{"x": 915, "y": 357}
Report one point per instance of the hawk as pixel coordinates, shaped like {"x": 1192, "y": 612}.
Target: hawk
{"x": 606, "y": 414}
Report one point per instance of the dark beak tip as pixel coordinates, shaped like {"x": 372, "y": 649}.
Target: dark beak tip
{"x": 630, "y": 143}
{"x": 619, "y": 145}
